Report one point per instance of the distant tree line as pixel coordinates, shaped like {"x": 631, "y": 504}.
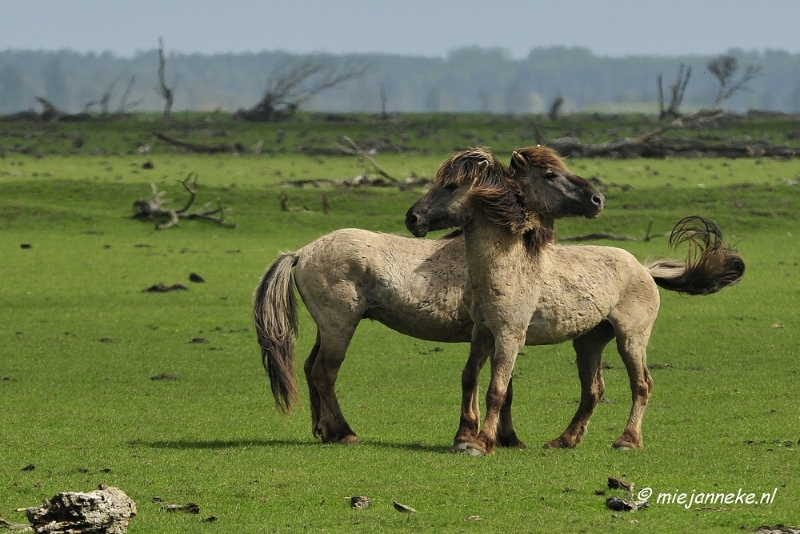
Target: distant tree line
{"x": 549, "y": 80}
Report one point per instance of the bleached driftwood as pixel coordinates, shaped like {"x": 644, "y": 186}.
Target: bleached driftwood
{"x": 107, "y": 510}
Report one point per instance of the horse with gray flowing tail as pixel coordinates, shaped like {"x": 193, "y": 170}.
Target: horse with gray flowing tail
{"x": 526, "y": 290}
{"x": 413, "y": 286}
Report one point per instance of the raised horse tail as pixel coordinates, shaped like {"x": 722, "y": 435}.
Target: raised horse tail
{"x": 275, "y": 315}
{"x": 709, "y": 266}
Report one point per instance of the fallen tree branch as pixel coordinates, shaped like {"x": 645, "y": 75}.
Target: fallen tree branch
{"x": 598, "y": 236}
{"x": 200, "y": 149}
{"x": 653, "y": 144}
{"x": 153, "y": 208}
{"x": 369, "y": 158}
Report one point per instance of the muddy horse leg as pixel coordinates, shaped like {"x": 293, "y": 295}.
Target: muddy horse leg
{"x": 589, "y": 351}
{"x": 506, "y": 348}
{"x": 506, "y": 435}
{"x": 480, "y": 349}
{"x": 634, "y": 354}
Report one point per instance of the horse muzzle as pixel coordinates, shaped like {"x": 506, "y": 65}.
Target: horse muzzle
{"x": 415, "y": 224}
{"x": 598, "y": 202}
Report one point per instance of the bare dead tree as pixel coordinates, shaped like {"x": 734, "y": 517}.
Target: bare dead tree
{"x": 555, "y": 108}
{"x": 153, "y": 208}
{"x": 50, "y": 112}
{"x": 384, "y": 115}
{"x": 103, "y": 101}
{"x": 126, "y": 107}
{"x": 165, "y": 91}
{"x": 724, "y": 68}
{"x": 676, "y": 93}
{"x": 295, "y": 82}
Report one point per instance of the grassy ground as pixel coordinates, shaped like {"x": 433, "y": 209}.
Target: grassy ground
{"x": 81, "y": 341}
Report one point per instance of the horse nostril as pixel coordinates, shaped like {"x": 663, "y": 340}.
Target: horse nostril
{"x": 411, "y": 220}
{"x": 598, "y": 200}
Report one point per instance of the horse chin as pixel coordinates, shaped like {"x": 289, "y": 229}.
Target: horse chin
{"x": 419, "y": 231}
{"x": 594, "y": 213}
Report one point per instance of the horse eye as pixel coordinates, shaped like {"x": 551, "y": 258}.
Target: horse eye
{"x": 451, "y": 187}
{"x": 550, "y": 175}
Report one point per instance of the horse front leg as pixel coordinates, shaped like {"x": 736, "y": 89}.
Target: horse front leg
{"x": 589, "y": 352}
{"x": 634, "y": 354}
{"x": 506, "y": 348}
{"x": 481, "y": 347}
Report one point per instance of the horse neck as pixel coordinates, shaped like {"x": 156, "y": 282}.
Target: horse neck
{"x": 491, "y": 249}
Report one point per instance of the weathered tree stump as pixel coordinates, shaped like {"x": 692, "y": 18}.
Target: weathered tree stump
{"x": 107, "y": 510}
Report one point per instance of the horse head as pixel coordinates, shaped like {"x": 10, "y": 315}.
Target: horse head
{"x": 531, "y": 194}
{"x": 550, "y": 189}
{"x": 445, "y": 205}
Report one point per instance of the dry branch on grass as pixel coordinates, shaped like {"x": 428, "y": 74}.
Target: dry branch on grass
{"x": 597, "y": 236}
{"x": 199, "y": 148}
{"x": 370, "y": 159}
{"x": 653, "y": 144}
{"x": 153, "y": 208}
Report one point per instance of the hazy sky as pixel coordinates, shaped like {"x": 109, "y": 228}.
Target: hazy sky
{"x": 408, "y": 27}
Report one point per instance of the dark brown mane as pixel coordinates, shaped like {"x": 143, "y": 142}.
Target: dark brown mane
{"x": 537, "y": 238}
{"x": 496, "y": 193}
{"x": 540, "y": 156}
{"x": 465, "y": 167}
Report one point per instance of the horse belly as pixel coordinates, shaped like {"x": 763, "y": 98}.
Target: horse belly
{"x": 424, "y": 322}
{"x": 559, "y": 320}
{"x": 421, "y": 299}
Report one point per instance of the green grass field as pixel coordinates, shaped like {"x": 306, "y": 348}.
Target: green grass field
{"x": 80, "y": 341}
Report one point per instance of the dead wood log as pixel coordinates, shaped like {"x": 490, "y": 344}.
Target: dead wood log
{"x": 153, "y": 208}
{"x": 597, "y": 236}
{"x": 370, "y": 159}
{"x": 653, "y": 144}
{"x": 164, "y": 288}
{"x": 198, "y": 148}
{"x": 107, "y": 510}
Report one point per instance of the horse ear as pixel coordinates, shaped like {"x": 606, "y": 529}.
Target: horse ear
{"x": 482, "y": 166}
{"x": 518, "y": 160}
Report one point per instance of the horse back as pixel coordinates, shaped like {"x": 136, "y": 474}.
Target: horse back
{"x": 414, "y": 286}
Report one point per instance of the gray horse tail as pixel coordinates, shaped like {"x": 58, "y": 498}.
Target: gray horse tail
{"x": 275, "y": 315}
{"x": 710, "y": 265}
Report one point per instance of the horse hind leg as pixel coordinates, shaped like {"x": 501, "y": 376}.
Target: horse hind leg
{"x": 589, "y": 351}
{"x": 506, "y": 435}
{"x": 331, "y": 425}
{"x": 313, "y": 392}
{"x": 633, "y": 350}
